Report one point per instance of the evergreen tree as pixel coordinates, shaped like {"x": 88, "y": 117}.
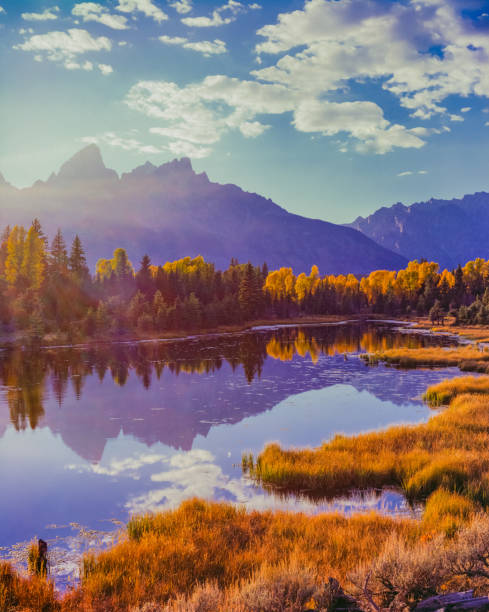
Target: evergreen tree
{"x": 36, "y": 224}
{"x": 77, "y": 262}
{"x": 144, "y": 276}
{"x": 459, "y": 286}
{"x": 58, "y": 256}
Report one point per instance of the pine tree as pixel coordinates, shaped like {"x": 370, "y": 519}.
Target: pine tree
{"x": 77, "y": 262}
{"x": 36, "y": 224}
{"x": 58, "y": 258}
{"x": 144, "y": 276}
{"x": 249, "y": 295}
{"x": 459, "y": 286}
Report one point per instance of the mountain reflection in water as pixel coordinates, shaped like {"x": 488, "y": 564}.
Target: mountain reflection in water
{"x": 97, "y": 433}
{"x": 175, "y": 407}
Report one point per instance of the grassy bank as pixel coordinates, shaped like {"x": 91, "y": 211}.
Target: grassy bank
{"x": 236, "y": 553}
{"x": 443, "y": 393}
{"x": 467, "y": 358}
{"x": 450, "y": 451}
{"x": 210, "y": 557}
{"x": 474, "y": 333}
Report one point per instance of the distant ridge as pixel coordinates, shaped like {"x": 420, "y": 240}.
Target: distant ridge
{"x": 446, "y": 231}
{"x": 170, "y": 211}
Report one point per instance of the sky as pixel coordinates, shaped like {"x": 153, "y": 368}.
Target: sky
{"x": 332, "y": 108}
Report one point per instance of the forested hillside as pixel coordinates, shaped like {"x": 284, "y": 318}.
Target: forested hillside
{"x": 47, "y": 288}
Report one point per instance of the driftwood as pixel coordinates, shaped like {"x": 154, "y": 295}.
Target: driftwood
{"x": 463, "y": 600}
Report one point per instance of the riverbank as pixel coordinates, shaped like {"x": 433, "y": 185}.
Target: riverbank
{"x": 214, "y": 557}
{"x": 63, "y": 340}
{"x": 473, "y": 333}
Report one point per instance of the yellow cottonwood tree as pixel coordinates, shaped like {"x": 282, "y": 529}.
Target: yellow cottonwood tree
{"x": 15, "y": 255}
{"x": 34, "y": 259}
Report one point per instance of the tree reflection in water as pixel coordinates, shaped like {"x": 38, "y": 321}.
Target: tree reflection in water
{"x": 25, "y": 375}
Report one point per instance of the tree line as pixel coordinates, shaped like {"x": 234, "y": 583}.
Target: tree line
{"x": 47, "y": 288}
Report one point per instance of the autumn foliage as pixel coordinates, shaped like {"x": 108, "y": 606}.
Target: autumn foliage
{"x": 46, "y": 288}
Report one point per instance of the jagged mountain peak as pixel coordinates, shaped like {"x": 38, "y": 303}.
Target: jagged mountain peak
{"x": 86, "y": 164}
{"x": 170, "y": 211}
{"x": 176, "y": 170}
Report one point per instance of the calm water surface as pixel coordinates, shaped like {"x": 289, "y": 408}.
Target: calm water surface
{"x": 89, "y": 436}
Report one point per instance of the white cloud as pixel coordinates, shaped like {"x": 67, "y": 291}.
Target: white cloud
{"x": 173, "y": 40}
{"x": 364, "y": 121}
{"x": 91, "y": 11}
{"x": 72, "y": 65}
{"x": 65, "y": 46}
{"x": 26, "y": 31}
{"x": 255, "y": 6}
{"x": 465, "y": 109}
{"x": 2, "y": 10}
{"x": 147, "y": 7}
{"x": 201, "y": 113}
{"x": 126, "y": 143}
{"x": 105, "y": 69}
{"x": 182, "y": 6}
{"x": 227, "y": 13}
{"x": 198, "y": 115}
{"x": 411, "y": 172}
{"x": 252, "y": 129}
{"x": 206, "y": 47}
{"x": 321, "y": 50}
{"x": 328, "y": 44}
{"x": 46, "y": 15}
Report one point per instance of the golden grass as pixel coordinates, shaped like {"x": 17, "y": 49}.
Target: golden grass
{"x": 445, "y": 512}
{"x": 168, "y": 554}
{"x": 17, "y": 593}
{"x": 466, "y": 357}
{"x": 443, "y": 393}
{"x": 471, "y": 332}
{"x": 450, "y": 451}
{"x": 214, "y": 557}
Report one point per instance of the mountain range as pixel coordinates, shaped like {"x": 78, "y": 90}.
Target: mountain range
{"x": 170, "y": 211}
{"x": 450, "y": 232}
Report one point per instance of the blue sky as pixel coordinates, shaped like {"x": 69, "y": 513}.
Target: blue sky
{"x": 332, "y": 108}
